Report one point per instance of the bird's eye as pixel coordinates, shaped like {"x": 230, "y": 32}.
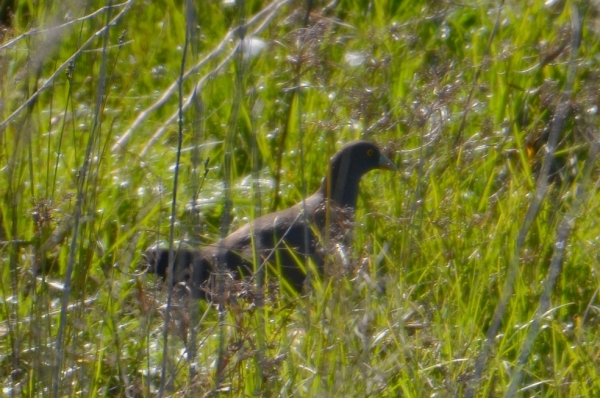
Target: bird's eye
{"x": 370, "y": 152}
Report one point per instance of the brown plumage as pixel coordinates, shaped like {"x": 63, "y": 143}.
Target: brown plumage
{"x": 285, "y": 231}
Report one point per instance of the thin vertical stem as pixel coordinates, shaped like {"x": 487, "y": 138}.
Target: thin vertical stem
{"x": 79, "y": 209}
{"x": 170, "y": 272}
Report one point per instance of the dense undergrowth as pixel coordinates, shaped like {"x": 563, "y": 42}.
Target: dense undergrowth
{"x": 475, "y": 268}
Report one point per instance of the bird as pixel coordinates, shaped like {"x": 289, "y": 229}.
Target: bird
{"x": 283, "y": 239}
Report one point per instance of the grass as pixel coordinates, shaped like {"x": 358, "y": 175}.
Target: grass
{"x": 484, "y": 244}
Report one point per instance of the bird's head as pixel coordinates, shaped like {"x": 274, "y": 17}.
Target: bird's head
{"x": 346, "y": 168}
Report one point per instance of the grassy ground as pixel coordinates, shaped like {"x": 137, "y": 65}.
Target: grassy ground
{"x": 479, "y": 259}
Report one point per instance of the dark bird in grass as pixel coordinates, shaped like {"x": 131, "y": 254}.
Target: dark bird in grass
{"x": 283, "y": 240}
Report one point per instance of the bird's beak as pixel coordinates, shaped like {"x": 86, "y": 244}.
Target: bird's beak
{"x": 385, "y": 163}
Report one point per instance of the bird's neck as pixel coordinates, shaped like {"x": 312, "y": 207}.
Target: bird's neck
{"x": 343, "y": 190}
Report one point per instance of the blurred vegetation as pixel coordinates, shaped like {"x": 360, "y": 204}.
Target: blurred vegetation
{"x": 476, "y": 267}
